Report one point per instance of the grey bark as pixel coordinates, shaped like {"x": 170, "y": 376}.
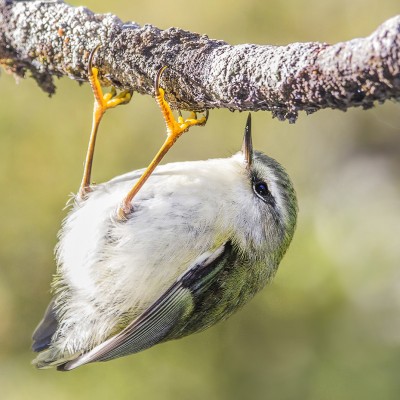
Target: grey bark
{"x": 52, "y": 39}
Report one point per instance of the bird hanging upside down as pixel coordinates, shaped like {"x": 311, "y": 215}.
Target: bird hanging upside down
{"x": 203, "y": 239}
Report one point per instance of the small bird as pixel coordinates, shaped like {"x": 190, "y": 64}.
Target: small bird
{"x": 203, "y": 238}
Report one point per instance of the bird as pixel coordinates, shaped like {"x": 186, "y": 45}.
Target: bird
{"x": 103, "y": 102}
{"x": 204, "y": 237}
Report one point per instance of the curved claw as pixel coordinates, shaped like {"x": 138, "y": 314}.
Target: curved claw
{"x": 90, "y": 61}
{"x": 157, "y": 79}
{"x": 206, "y": 117}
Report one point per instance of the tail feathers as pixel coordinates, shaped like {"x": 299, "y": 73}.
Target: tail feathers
{"x": 49, "y": 355}
{"x": 44, "y": 332}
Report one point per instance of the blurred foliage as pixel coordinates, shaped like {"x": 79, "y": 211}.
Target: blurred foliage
{"x": 326, "y": 328}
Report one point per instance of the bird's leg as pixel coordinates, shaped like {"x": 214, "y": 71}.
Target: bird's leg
{"x": 102, "y": 102}
{"x": 175, "y": 128}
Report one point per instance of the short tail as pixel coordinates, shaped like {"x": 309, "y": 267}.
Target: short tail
{"x": 44, "y": 332}
{"x": 48, "y": 356}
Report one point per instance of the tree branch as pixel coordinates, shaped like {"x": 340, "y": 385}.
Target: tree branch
{"x": 51, "y": 38}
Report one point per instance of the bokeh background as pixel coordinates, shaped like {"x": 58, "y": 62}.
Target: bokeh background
{"x": 328, "y": 327}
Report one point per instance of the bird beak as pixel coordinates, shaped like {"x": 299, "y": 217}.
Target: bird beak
{"x": 247, "y": 146}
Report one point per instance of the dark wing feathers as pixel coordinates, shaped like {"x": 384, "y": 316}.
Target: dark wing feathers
{"x": 45, "y": 330}
{"x": 154, "y": 325}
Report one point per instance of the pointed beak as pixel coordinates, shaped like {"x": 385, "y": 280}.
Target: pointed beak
{"x": 247, "y": 146}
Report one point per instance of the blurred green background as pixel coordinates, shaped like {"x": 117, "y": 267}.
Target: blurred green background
{"x": 328, "y": 327}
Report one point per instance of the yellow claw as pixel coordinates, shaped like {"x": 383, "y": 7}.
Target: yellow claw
{"x": 102, "y": 102}
{"x": 175, "y": 128}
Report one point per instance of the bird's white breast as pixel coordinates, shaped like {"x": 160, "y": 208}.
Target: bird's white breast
{"x": 183, "y": 211}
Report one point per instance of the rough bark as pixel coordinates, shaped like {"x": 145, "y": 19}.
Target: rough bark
{"x": 51, "y": 38}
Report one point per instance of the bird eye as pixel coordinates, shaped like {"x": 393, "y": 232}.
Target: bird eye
{"x": 261, "y": 188}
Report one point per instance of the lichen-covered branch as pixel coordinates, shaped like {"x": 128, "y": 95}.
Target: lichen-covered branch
{"x": 51, "y": 38}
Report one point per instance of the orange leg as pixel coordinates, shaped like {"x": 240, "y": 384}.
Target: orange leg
{"x": 175, "y": 128}
{"x": 102, "y": 102}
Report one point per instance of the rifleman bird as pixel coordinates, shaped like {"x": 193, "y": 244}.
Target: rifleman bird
{"x": 203, "y": 238}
